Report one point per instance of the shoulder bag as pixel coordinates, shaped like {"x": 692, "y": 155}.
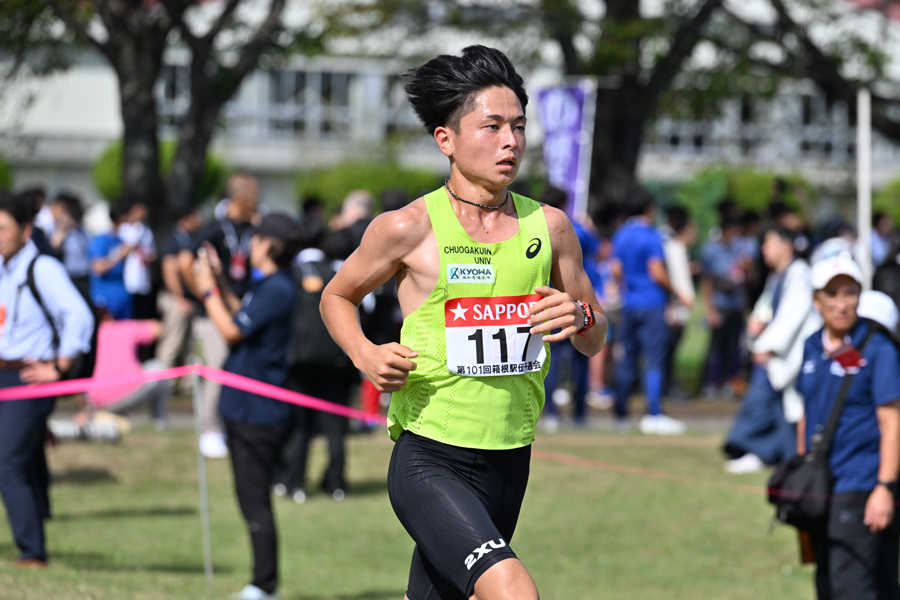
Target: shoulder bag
{"x": 800, "y": 489}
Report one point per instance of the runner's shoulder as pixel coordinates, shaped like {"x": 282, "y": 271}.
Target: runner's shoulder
{"x": 402, "y": 229}
{"x": 558, "y": 222}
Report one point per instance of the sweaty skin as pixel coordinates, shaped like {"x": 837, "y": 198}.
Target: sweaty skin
{"x": 484, "y": 159}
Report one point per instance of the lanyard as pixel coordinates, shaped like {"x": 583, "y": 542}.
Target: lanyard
{"x": 235, "y": 245}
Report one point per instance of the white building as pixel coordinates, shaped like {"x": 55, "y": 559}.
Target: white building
{"x": 314, "y": 112}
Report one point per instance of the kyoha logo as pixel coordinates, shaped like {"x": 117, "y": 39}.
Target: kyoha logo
{"x": 534, "y": 248}
{"x": 470, "y": 273}
{"x": 482, "y": 550}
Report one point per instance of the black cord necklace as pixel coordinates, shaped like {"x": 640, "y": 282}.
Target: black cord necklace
{"x": 499, "y": 206}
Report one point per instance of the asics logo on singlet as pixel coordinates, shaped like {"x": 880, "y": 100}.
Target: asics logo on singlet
{"x": 482, "y": 550}
{"x": 533, "y": 249}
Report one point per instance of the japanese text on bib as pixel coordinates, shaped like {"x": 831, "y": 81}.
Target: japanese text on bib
{"x": 490, "y": 336}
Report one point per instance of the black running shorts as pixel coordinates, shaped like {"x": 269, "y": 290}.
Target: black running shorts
{"x": 460, "y": 505}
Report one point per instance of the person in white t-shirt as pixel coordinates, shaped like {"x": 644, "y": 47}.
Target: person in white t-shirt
{"x": 678, "y": 237}
{"x": 138, "y": 282}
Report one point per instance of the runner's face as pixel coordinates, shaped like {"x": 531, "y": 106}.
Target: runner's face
{"x": 491, "y": 139}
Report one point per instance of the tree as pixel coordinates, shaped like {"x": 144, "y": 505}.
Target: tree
{"x": 648, "y": 63}
{"x": 224, "y": 47}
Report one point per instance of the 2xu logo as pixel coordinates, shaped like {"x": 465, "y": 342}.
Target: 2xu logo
{"x": 482, "y": 550}
{"x": 533, "y": 248}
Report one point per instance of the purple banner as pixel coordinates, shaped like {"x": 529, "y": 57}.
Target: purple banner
{"x": 566, "y": 113}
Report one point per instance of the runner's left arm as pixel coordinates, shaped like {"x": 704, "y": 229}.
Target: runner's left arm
{"x": 558, "y": 309}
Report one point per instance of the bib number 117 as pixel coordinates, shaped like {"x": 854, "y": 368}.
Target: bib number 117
{"x": 478, "y": 337}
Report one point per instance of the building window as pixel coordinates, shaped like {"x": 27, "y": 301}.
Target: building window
{"x": 401, "y": 120}
{"x": 309, "y": 103}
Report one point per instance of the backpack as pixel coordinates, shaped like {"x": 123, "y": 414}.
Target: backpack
{"x": 83, "y": 365}
{"x": 311, "y": 344}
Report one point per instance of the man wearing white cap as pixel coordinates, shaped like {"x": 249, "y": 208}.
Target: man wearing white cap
{"x": 858, "y": 549}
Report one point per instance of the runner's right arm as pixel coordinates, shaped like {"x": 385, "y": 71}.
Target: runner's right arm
{"x": 387, "y": 241}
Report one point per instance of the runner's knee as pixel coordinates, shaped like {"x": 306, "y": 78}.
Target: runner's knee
{"x": 506, "y": 580}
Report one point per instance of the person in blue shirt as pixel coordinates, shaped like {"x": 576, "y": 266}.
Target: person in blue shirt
{"x": 639, "y": 264}
{"x": 858, "y": 550}
{"x": 563, "y": 351}
{"x": 108, "y": 253}
{"x": 258, "y": 328}
{"x": 723, "y": 293}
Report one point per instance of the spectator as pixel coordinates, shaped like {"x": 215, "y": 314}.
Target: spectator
{"x": 259, "y": 331}
{"x": 231, "y": 237}
{"x": 678, "y": 238}
{"x": 318, "y": 368}
{"x": 49, "y": 325}
{"x": 748, "y": 246}
{"x": 175, "y": 302}
{"x": 70, "y": 240}
{"x": 722, "y": 291}
{"x": 394, "y": 199}
{"x": 887, "y": 276}
{"x": 563, "y": 352}
{"x": 108, "y": 254}
{"x": 857, "y": 548}
{"x": 640, "y": 266}
{"x": 137, "y": 277}
{"x": 764, "y": 430}
{"x": 44, "y": 224}
{"x": 882, "y": 226}
{"x": 356, "y": 214}
{"x": 313, "y": 211}
{"x": 117, "y": 354}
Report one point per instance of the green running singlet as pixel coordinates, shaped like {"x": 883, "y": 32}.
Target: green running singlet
{"x": 479, "y": 380}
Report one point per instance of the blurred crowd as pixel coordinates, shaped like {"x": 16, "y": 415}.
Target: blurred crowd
{"x": 748, "y": 283}
{"x": 240, "y": 290}
{"x": 651, "y": 273}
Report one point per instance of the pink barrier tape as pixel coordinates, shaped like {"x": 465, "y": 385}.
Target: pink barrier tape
{"x": 76, "y": 386}
{"x": 278, "y": 393}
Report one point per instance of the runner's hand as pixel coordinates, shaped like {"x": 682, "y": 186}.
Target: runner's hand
{"x": 879, "y": 509}
{"x": 387, "y": 366}
{"x": 557, "y": 310}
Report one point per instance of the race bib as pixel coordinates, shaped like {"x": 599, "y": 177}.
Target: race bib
{"x": 490, "y": 336}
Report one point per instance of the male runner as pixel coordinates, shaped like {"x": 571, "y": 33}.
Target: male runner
{"x": 473, "y": 264}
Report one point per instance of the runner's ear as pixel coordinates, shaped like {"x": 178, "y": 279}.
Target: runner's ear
{"x": 444, "y": 138}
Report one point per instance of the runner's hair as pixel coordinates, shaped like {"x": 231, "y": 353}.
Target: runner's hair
{"x": 444, "y": 89}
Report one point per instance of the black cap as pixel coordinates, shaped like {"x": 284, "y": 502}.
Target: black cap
{"x": 280, "y": 226}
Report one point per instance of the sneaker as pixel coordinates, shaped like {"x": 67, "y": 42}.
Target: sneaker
{"x": 661, "y": 425}
{"x": 550, "y": 423}
{"x": 338, "y": 495}
{"x": 601, "y": 400}
{"x": 711, "y": 393}
{"x": 561, "y": 397}
{"x": 748, "y": 463}
{"x": 98, "y": 430}
{"x": 251, "y": 592}
{"x": 65, "y": 429}
{"x": 31, "y": 563}
{"x": 299, "y": 496}
{"x": 280, "y": 489}
{"x": 212, "y": 445}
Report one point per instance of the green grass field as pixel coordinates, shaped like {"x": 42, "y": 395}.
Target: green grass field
{"x": 615, "y": 516}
